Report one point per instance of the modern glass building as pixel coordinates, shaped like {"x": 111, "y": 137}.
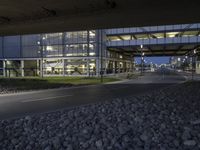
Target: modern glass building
{"x": 87, "y": 53}
{"x": 81, "y": 53}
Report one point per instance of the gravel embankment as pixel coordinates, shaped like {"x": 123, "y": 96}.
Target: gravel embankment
{"x": 7, "y": 90}
{"x": 4, "y": 90}
{"x": 162, "y": 120}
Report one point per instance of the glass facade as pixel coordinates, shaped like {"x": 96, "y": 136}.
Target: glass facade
{"x": 11, "y": 47}
{"x": 1, "y": 68}
{"x": 52, "y": 45}
{"x": 59, "y": 54}
{"x": 85, "y": 53}
{"x": 30, "y": 46}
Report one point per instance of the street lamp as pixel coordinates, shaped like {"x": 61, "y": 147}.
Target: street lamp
{"x": 41, "y": 52}
{"x": 193, "y": 63}
{"x": 142, "y": 58}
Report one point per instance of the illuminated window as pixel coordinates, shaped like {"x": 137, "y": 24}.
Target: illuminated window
{"x": 172, "y": 34}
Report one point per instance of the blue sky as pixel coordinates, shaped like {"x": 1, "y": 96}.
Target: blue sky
{"x": 155, "y": 60}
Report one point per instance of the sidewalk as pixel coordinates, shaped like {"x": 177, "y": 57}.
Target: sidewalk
{"x": 188, "y": 75}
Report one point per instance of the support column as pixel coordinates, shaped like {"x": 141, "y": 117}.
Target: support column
{"x": 124, "y": 67}
{"x": 106, "y": 66}
{"x": 4, "y": 68}
{"x": 119, "y": 67}
{"x": 22, "y": 68}
{"x": 41, "y": 68}
{"x": 97, "y": 67}
{"x": 88, "y": 67}
{"x": 113, "y": 67}
{"x": 38, "y": 67}
{"x": 63, "y": 67}
{"x": 197, "y": 67}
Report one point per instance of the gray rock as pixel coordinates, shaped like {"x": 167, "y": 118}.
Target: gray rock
{"x": 85, "y": 145}
{"x": 85, "y": 131}
{"x": 99, "y": 144}
{"x": 176, "y": 143}
{"x": 196, "y": 122}
{"x": 142, "y": 122}
{"x": 1, "y": 135}
{"x": 189, "y": 143}
{"x": 56, "y": 143}
{"x": 69, "y": 147}
{"x": 14, "y": 141}
{"x": 123, "y": 129}
{"x": 28, "y": 118}
{"x": 47, "y": 148}
{"x": 65, "y": 144}
{"x": 144, "y": 137}
{"x": 186, "y": 135}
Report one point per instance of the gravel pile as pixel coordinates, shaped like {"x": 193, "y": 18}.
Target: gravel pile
{"x": 162, "y": 120}
{"x": 4, "y": 90}
{"x": 7, "y": 90}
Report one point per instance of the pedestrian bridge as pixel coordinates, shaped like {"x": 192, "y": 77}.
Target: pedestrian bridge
{"x": 170, "y": 40}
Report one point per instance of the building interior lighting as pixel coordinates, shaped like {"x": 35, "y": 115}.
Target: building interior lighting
{"x": 172, "y": 34}
{"x": 49, "y": 48}
{"x": 92, "y": 54}
{"x": 126, "y": 37}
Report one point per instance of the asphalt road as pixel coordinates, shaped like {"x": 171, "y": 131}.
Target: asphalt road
{"x": 21, "y": 104}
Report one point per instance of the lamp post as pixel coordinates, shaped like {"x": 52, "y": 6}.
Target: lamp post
{"x": 142, "y": 59}
{"x": 41, "y": 44}
{"x": 42, "y": 71}
{"x": 193, "y": 63}
{"x": 101, "y": 49}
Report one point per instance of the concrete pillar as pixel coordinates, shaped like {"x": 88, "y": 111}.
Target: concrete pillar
{"x": 197, "y": 67}
{"x": 4, "y": 68}
{"x": 63, "y": 67}
{"x": 119, "y": 67}
{"x": 113, "y": 67}
{"x": 124, "y": 67}
{"x": 97, "y": 67}
{"x": 38, "y": 67}
{"x": 41, "y": 68}
{"x": 105, "y": 66}
{"x": 88, "y": 67}
{"x": 22, "y": 68}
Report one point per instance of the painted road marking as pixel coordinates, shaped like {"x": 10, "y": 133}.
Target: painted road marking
{"x": 46, "y": 98}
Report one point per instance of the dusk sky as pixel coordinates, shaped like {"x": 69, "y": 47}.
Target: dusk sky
{"x": 155, "y": 60}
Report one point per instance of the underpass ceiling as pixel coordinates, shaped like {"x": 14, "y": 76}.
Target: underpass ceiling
{"x": 42, "y": 16}
{"x": 157, "y": 50}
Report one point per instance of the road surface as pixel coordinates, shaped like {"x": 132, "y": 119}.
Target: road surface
{"x": 20, "y": 104}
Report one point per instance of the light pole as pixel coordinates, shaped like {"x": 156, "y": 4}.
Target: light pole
{"x": 41, "y": 44}
{"x": 101, "y": 44}
{"x": 42, "y": 62}
{"x": 193, "y": 63}
{"x": 142, "y": 59}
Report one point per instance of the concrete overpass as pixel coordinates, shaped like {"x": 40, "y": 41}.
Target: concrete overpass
{"x": 168, "y": 40}
{"x": 41, "y": 16}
